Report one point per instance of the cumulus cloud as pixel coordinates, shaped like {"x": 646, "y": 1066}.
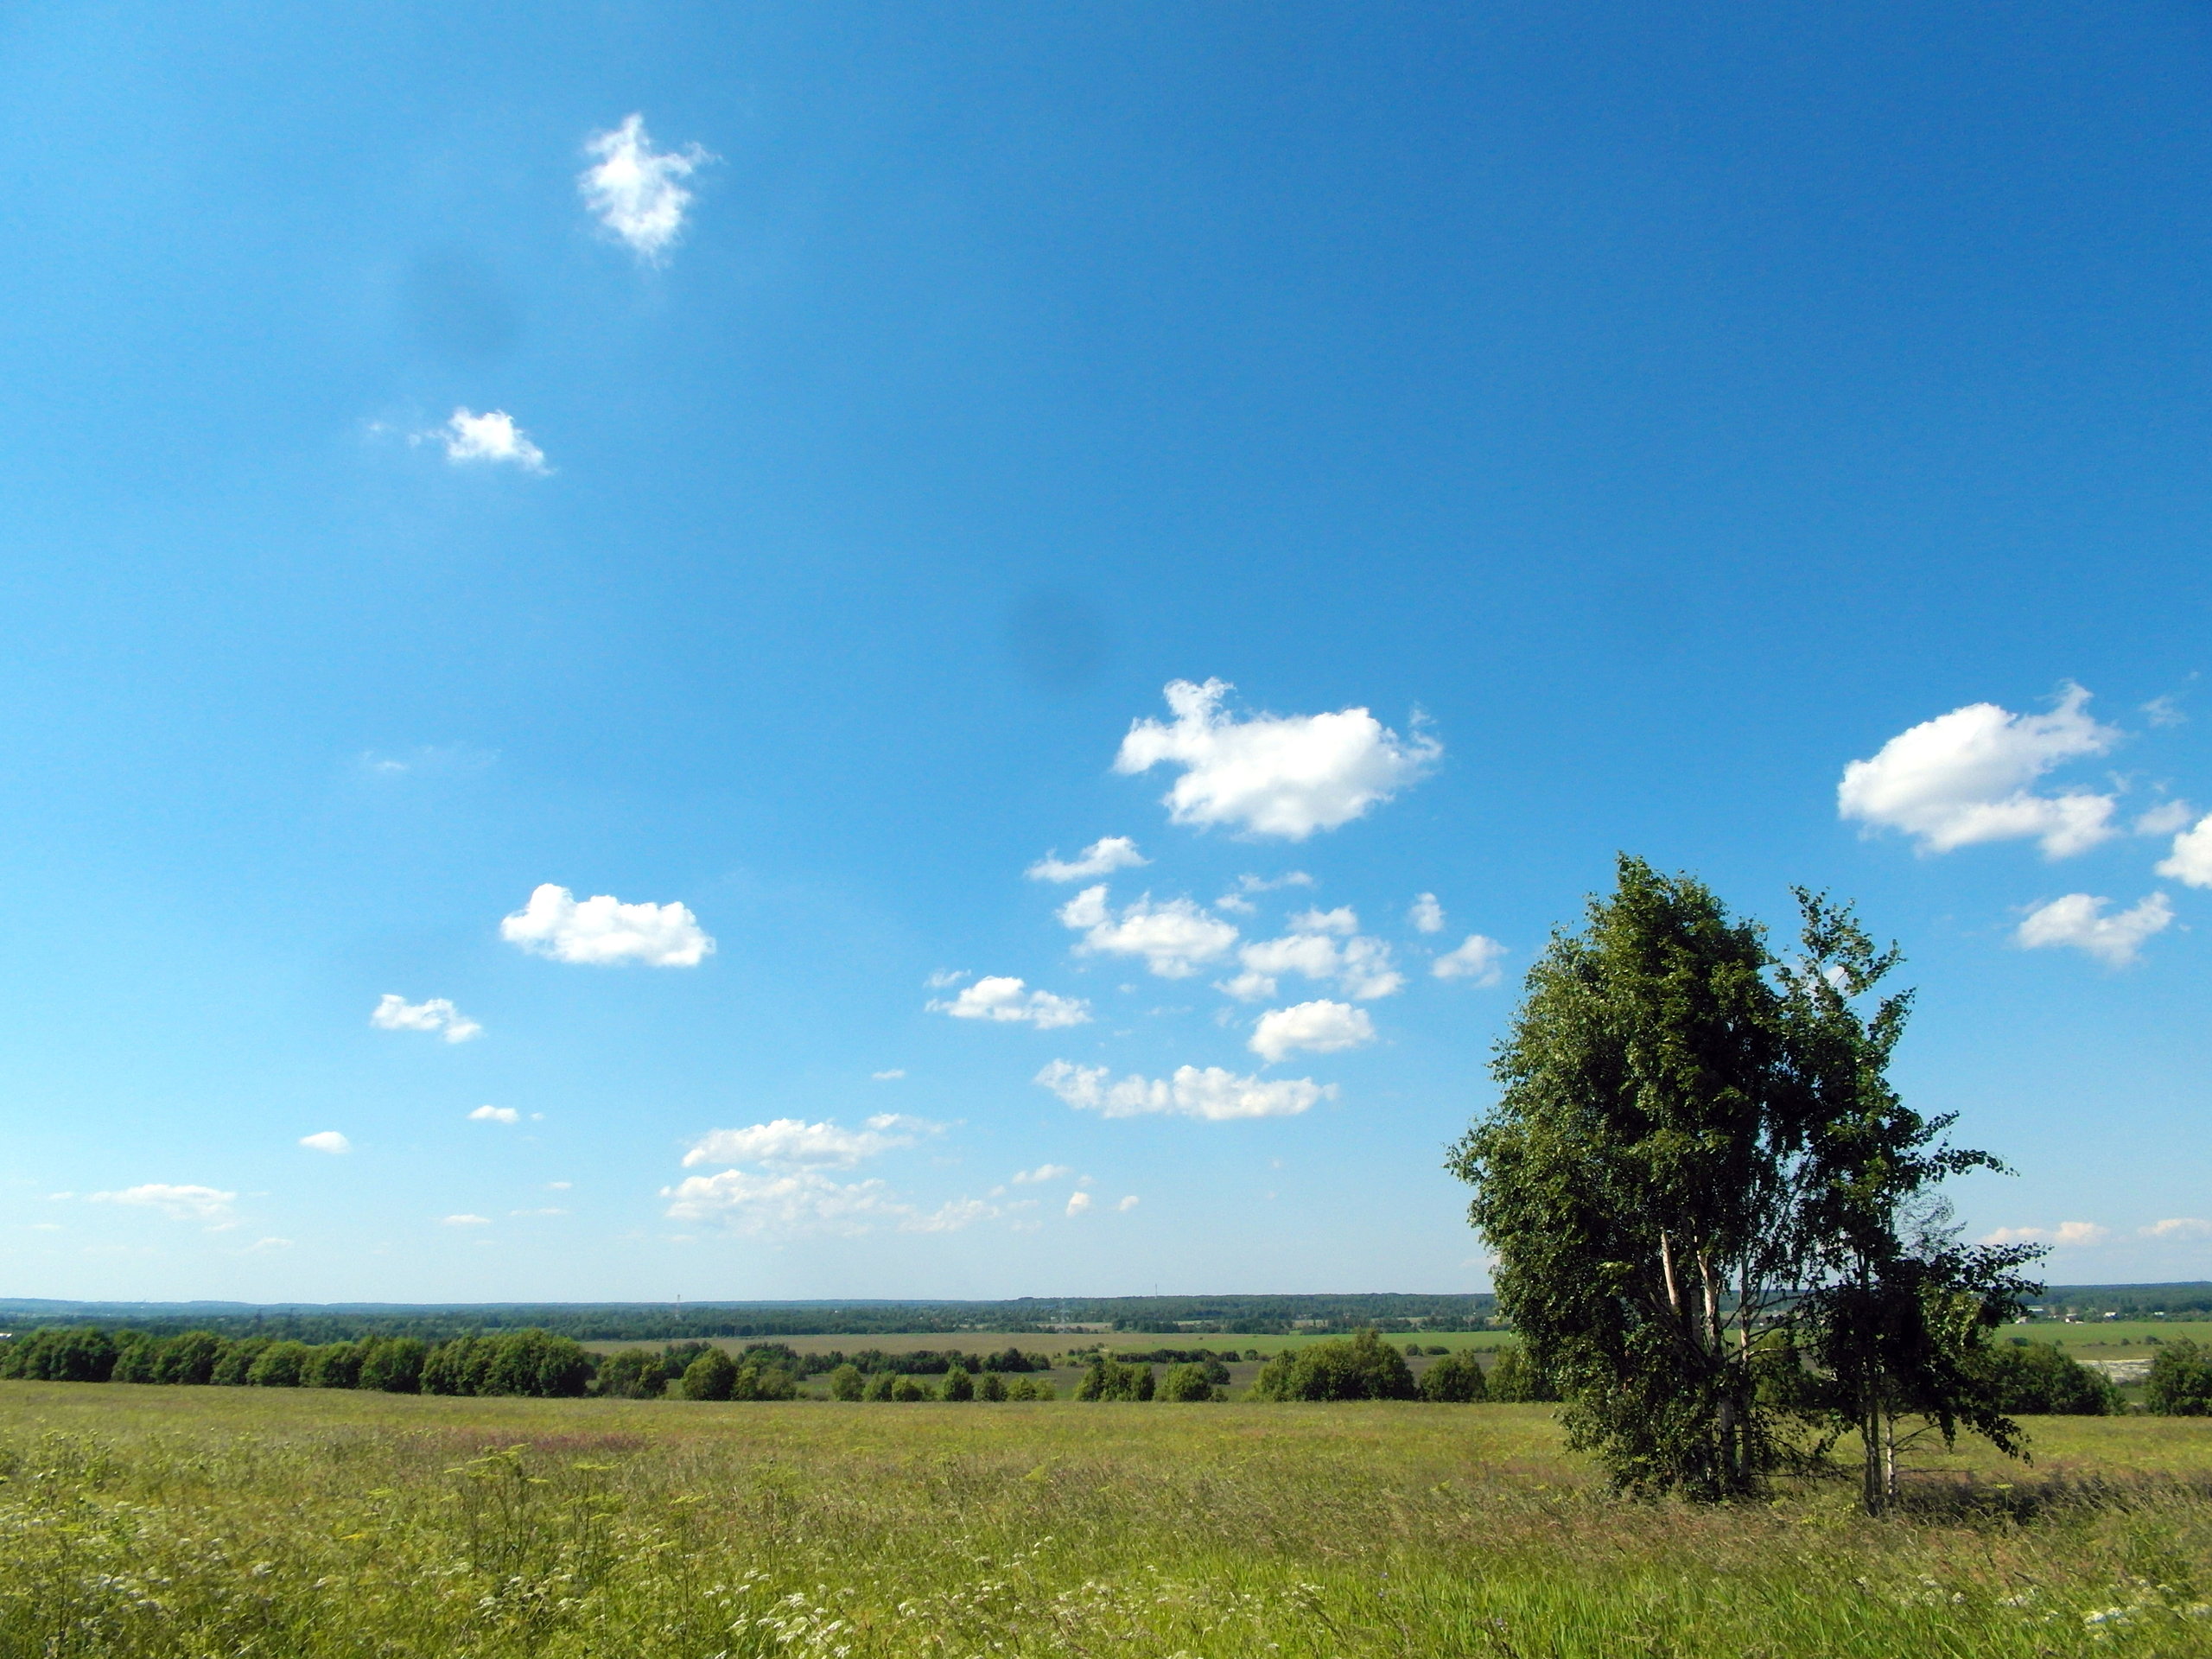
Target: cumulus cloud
{"x": 2164, "y": 818}
{"x": 2190, "y": 862}
{"x": 949, "y": 1216}
{"x": 1360, "y": 966}
{"x": 1100, "y": 858}
{"x": 495, "y": 1115}
{"x": 1078, "y": 1203}
{"x": 1273, "y": 775}
{"x": 1043, "y": 1172}
{"x": 1173, "y": 937}
{"x": 2066, "y": 1234}
{"x": 796, "y": 1201}
{"x": 2078, "y": 919}
{"x": 1214, "y": 1093}
{"x": 1343, "y": 920}
{"x": 1476, "y": 960}
{"x": 1129, "y": 1203}
{"x": 1964, "y": 778}
{"x": 465, "y": 1220}
{"x": 793, "y": 1141}
{"x": 1427, "y": 915}
{"x": 1001, "y": 998}
{"x": 635, "y": 191}
{"x": 491, "y": 438}
{"x": 395, "y": 1013}
{"x": 603, "y": 929}
{"x": 2178, "y": 1227}
{"x": 178, "y": 1202}
{"x": 1321, "y": 1027}
{"x": 327, "y": 1140}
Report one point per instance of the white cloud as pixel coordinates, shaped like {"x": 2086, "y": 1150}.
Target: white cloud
{"x": 1213, "y": 1094}
{"x": 949, "y": 1216}
{"x": 1100, "y": 858}
{"x": 465, "y": 1221}
{"x": 632, "y": 189}
{"x": 2178, "y": 1227}
{"x": 793, "y": 1141}
{"x": 1078, "y": 1203}
{"x": 1427, "y": 915}
{"x": 2079, "y": 920}
{"x": 1360, "y": 966}
{"x": 2163, "y": 711}
{"x": 185, "y": 1203}
{"x": 1963, "y": 778}
{"x": 1043, "y": 1172}
{"x": 548, "y": 1209}
{"x": 892, "y": 1075}
{"x": 493, "y": 438}
{"x": 1476, "y": 960}
{"x": 1343, "y": 920}
{"x": 2067, "y": 1235}
{"x": 1001, "y": 998}
{"x": 269, "y": 1245}
{"x": 1273, "y": 775}
{"x": 1322, "y": 1027}
{"x": 1172, "y": 937}
{"x": 904, "y": 1123}
{"x": 1129, "y": 1203}
{"x": 796, "y": 1201}
{"x": 2190, "y": 863}
{"x": 495, "y": 1115}
{"x": 603, "y": 929}
{"x": 944, "y": 976}
{"x": 327, "y": 1140}
{"x": 395, "y": 1013}
{"x": 2164, "y": 818}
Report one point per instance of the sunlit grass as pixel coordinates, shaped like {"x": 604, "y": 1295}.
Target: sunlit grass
{"x": 149, "y": 1521}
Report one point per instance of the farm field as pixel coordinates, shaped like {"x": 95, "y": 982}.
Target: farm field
{"x": 145, "y": 1521}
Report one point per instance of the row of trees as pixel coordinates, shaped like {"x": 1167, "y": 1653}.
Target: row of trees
{"x": 1716, "y": 1224}
{"x": 512, "y": 1362}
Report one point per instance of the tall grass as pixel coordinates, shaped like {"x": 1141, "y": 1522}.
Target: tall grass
{"x": 177, "y": 1522}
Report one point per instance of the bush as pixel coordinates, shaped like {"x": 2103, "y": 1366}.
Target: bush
{"x": 1112, "y": 1379}
{"x": 1364, "y": 1368}
{"x": 189, "y": 1357}
{"x": 280, "y": 1365}
{"x": 908, "y": 1389}
{"x": 236, "y": 1361}
{"x": 1513, "y": 1379}
{"x": 1031, "y": 1388}
{"x": 847, "y": 1383}
{"x": 710, "y": 1376}
{"x": 958, "y": 1385}
{"x": 2181, "y": 1380}
{"x": 1013, "y": 1359}
{"x": 990, "y": 1386}
{"x": 880, "y": 1385}
{"x": 137, "y": 1359}
{"x": 59, "y": 1354}
{"x": 1456, "y": 1379}
{"x": 1186, "y": 1382}
{"x": 632, "y": 1374}
{"x": 334, "y": 1366}
{"x": 2041, "y": 1379}
{"x": 755, "y": 1381}
{"x": 392, "y": 1364}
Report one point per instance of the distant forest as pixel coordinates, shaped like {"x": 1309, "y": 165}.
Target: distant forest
{"x": 665, "y": 1322}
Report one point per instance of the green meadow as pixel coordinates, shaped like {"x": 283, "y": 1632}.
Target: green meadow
{"x": 144, "y": 1521}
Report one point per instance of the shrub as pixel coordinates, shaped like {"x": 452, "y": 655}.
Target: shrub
{"x": 1186, "y": 1382}
{"x": 137, "y": 1359}
{"x": 1364, "y": 1368}
{"x": 59, "y": 1354}
{"x": 392, "y": 1364}
{"x": 233, "y": 1364}
{"x": 2041, "y": 1378}
{"x": 1112, "y": 1379}
{"x": 1437, "y": 1348}
{"x": 710, "y": 1376}
{"x": 880, "y": 1385}
{"x": 909, "y": 1388}
{"x": 1513, "y": 1379}
{"x": 189, "y": 1357}
{"x": 2181, "y": 1380}
{"x": 847, "y": 1383}
{"x": 1456, "y": 1379}
{"x": 533, "y": 1362}
{"x": 632, "y": 1374}
{"x": 280, "y": 1365}
{"x": 990, "y": 1386}
{"x": 334, "y": 1366}
{"x": 958, "y": 1385}
{"x": 1013, "y": 1359}
{"x": 757, "y": 1382}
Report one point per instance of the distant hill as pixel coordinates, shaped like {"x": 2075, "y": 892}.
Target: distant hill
{"x": 661, "y": 1321}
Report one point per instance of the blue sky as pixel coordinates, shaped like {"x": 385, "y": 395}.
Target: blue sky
{"x": 541, "y": 653}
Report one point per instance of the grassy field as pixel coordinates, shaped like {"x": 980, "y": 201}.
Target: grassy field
{"x": 201, "y": 1522}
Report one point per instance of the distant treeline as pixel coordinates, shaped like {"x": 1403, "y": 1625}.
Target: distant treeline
{"x": 657, "y": 1322}
{"x": 2192, "y": 1301}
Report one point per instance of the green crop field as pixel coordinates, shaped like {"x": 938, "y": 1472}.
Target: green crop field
{"x": 143, "y": 1521}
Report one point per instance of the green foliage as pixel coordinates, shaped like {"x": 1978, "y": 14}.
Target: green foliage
{"x": 756, "y": 1380}
{"x": 334, "y": 1366}
{"x": 2180, "y": 1383}
{"x": 60, "y": 1354}
{"x": 2042, "y": 1380}
{"x": 1031, "y": 1388}
{"x": 234, "y": 1364}
{"x": 1186, "y": 1382}
{"x": 847, "y": 1383}
{"x": 1696, "y": 1143}
{"x": 880, "y": 1385}
{"x": 710, "y": 1376}
{"x": 1365, "y": 1368}
{"x": 392, "y": 1364}
{"x": 631, "y": 1374}
{"x": 280, "y": 1365}
{"x": 908, "y": 1389}
{"x": 1456, "y": 1379}
{"x": 1514, "y": 1378}
{"x": 990, "y": 1386}
{"x": 1114, "y": 1379}
{"x": 958, "y": 1385}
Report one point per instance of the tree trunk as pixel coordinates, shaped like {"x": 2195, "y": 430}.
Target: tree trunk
{"x": 1872, "y": 1490}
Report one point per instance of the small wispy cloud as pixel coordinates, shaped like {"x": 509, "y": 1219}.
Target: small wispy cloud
{"x": 395, "y": 1013}
{"x": 495, "y": 1115}
{"x": 1005, "y": 999}
{"x": 465, "y": 1221}
{"x": 1102, "y": 857}
{"x": 489, "y": 439}
{"x": 892, "y": 1075}
{"x": 327, "y": 1140}
{"x": 635, "y": 191}
{"x": 177, "y": 1201}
